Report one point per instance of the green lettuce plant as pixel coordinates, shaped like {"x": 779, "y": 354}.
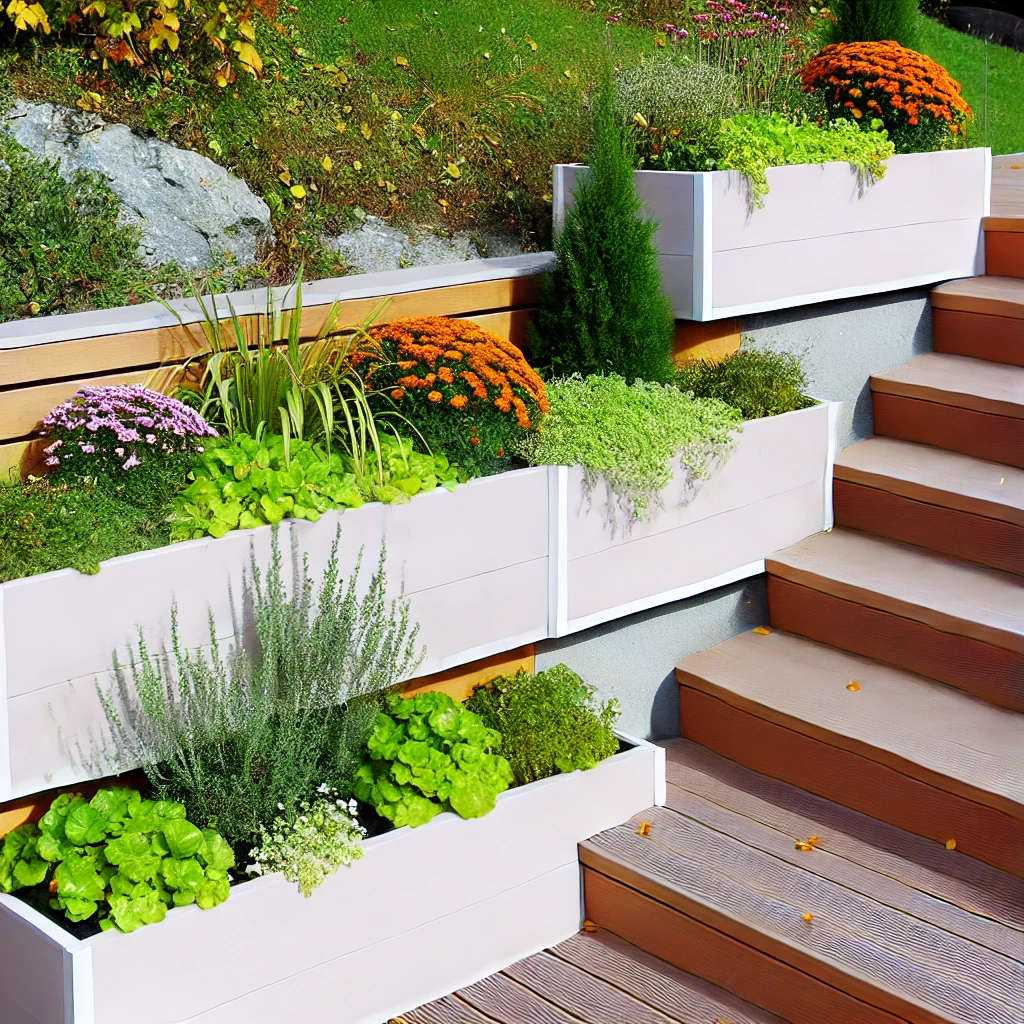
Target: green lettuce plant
{"x": 403, "y": 472}
{"x": 118, "y": 857}
{"x": 429, "y": 754}
{"x": 549, "y": 722}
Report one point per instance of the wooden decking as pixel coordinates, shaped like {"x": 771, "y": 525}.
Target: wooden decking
{"x": 595, "y": 979}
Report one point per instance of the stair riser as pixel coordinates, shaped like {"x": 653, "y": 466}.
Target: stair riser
{"x": 949, "y": 531}
{"x": 983, "y": 435}
{"x": 854, "y": 779}
{"x": 998, "y": 339}
{"x": 702, "y": 949}
{"x": 1004, "y": 253}
{"x": 984, "y": 670}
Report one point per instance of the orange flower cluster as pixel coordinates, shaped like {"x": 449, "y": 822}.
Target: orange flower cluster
{"x": 887, "y": 81}
{"x": 457, "y": 362}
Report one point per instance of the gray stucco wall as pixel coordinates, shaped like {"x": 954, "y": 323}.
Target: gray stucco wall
{"x": 841, "y": 345}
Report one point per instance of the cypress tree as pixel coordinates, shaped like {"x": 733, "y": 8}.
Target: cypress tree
{"x": 602, "y": 308}
{"x": 867, "y": 21}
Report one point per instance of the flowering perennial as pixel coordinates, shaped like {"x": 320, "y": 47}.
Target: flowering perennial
{"x": 101, "y": 431}
{"x": 469, "y": 391}
{"x": 919, "y": 103}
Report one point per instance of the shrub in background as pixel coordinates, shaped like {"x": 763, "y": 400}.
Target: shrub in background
{"x": 629, "y": 437}
{"x": 469, "y": 393}
{"x": 602, "y": 309}
{"x": 63, "y": 246}
{"x": 313, "y": 843}
{"x": 243, "y": 735}
{"x": 674, "y": 106}
{"x": 758, "y": 382}
{"x": 751, "y": 144}
{"x": 549, "y": 722}
{"x": 137, "y": 442}
{"x": 46, "y": 526}
{"x": 859, "y": 21}
{"x": 119, "y": 858}
{"x": 916, "y": 100}
{"x": 429, "y": 754}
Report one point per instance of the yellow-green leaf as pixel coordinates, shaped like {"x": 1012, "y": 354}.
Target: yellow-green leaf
{"x": 356, "y": 165}
{"x": 401, "y": 62}
{"x": 298, "y": 191}
{"x": 340, "y": 126}
{"x": 530, "y": 43}
{"x": 286, "y": 177}
{"x": 327, "y": 164}
{"x": 453, "y": 171}
{"x": 366, "y": 130}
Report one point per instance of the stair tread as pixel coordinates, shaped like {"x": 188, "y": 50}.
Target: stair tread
{"x": 1001, "y": 296}
{"x": 944, "y": 593}
{"x": 600, "y": 979}
{"x": 996, "y": 388}
{"x": 936, "y": 476}
{"x": 724, "y": 855}
{"x": 922, "y": 728}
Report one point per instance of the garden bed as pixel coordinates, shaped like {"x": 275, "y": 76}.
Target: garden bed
{"x": 819, "y": 235}
{"x": 414, "y": 919}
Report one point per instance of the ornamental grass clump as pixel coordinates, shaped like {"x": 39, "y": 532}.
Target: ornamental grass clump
{"x": 549, "y": 722}
{"x": 126, "y": 437}
{"x": 758, "y": 382}
{"x": 243, "y": 735}
{"x": 469, "y": 393}
{"x": 915, "y": 98}
{"x": 630, "y": 437}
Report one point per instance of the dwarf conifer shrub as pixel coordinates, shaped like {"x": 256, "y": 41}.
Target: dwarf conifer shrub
{"x": 602, "y": 309}
{"x": 862, "y": 21}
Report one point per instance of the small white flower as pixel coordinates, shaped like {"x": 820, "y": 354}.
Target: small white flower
{"x": 280, "y": 807}
{"x": 322, "y": 788}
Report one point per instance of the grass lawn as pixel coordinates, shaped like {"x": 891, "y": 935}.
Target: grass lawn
{"x": 1000, "y": 123}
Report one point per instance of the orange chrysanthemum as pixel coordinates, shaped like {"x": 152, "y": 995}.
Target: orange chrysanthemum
{"x": 434, "y": 396}
{"x": 893, "y": 83}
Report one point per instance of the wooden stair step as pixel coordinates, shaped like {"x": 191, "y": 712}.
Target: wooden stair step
{"x": 981, "y": 317}
{"x": 955, "y": 402}
{"x": 597, "y": 979}
{"x": 941, "y": 500}
{"x": 901, "y": 748}
{"x": 960, "y": 623}
{"x": 1004, "y": 249}
{"x": 718, "y": 887}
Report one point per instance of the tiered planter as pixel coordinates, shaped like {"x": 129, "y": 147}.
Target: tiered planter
{"x": 425, "y": 911}
{"x": 773, "y": 490}
{"x": 819, "y": 236}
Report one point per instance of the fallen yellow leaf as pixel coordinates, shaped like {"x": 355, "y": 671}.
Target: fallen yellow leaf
{"x": 950, "y": 844}
{"x": 804, "y": 847}
{"x": 530, "y": 43}
{"x": 327, "y": 164}
{"x": 401, "y": 62}
{"x": 357, "y": 165}
{"x": 567, "y": 73}
{"x": 589, "y": 926}
{"x": 853, "y": 686}
{"x": 453, "y": 171}
{"x": 340, "y": 126}
{"x": 286, "y": 177}
{"x": 808, "y": 917}
{"x": 762, "y": 630}
{"x": 366, "y": 130}
{"x": 298, "y": 191}
{"x": 644, "y": 829}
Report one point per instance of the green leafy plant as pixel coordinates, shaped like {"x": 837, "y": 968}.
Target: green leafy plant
{"x": 64, "y": 247}
{"x": 240, "y": 735}
{"x": 243, "y": 483}
{"x": 312, "y": 843}
{"x": 758, "y": 382}
{"x": 865, "y": 21}
{"x": 406, "y": 472}
{"x": 549, "y": 722}
{"x": 426, "y": 755}
{"x": 629, "y": 436}
{"x": 119, "y": 858}
{"x": 602, "y": 308}
{"x": 46, "y": 526}
{"x": 751, "y": 145}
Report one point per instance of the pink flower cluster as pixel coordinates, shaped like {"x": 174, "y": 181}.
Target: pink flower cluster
{"x": 745, "y": 21}
{"x": 122, "y": 423}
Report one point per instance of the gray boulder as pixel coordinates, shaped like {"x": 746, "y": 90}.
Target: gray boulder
{"x": 377, "y": 246}
{"x": 188, "y": 208}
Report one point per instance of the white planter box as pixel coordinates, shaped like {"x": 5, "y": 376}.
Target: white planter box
{"x": 818, "y": 236}
{"x": 425, "y": 911}
{"x": 473, "y": 562}
{"x": 774, "y": 489}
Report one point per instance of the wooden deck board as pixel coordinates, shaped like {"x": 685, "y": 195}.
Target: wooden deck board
{"x": 947, "y": 876}
{"x": 1008, "y": 187}
{"x": 511, "y": 1003}
{"x": 956, "y": 597}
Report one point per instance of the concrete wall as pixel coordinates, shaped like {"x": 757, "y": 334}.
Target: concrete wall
{"x": 841, "y": 345}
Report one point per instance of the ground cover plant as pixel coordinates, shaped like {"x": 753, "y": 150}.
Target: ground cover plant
{"x": 757, "y": 382}
{"x": 471, "y": 394}
{"x": 428, "y": 754}
{"x": 242, "y": 735}
{"x": 118, "y": 859}
{"x": 549, "y": 722}
{"x": 630, "y": 437}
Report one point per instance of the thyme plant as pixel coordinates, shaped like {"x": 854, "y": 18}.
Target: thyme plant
{"x": 239, "y": 736}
